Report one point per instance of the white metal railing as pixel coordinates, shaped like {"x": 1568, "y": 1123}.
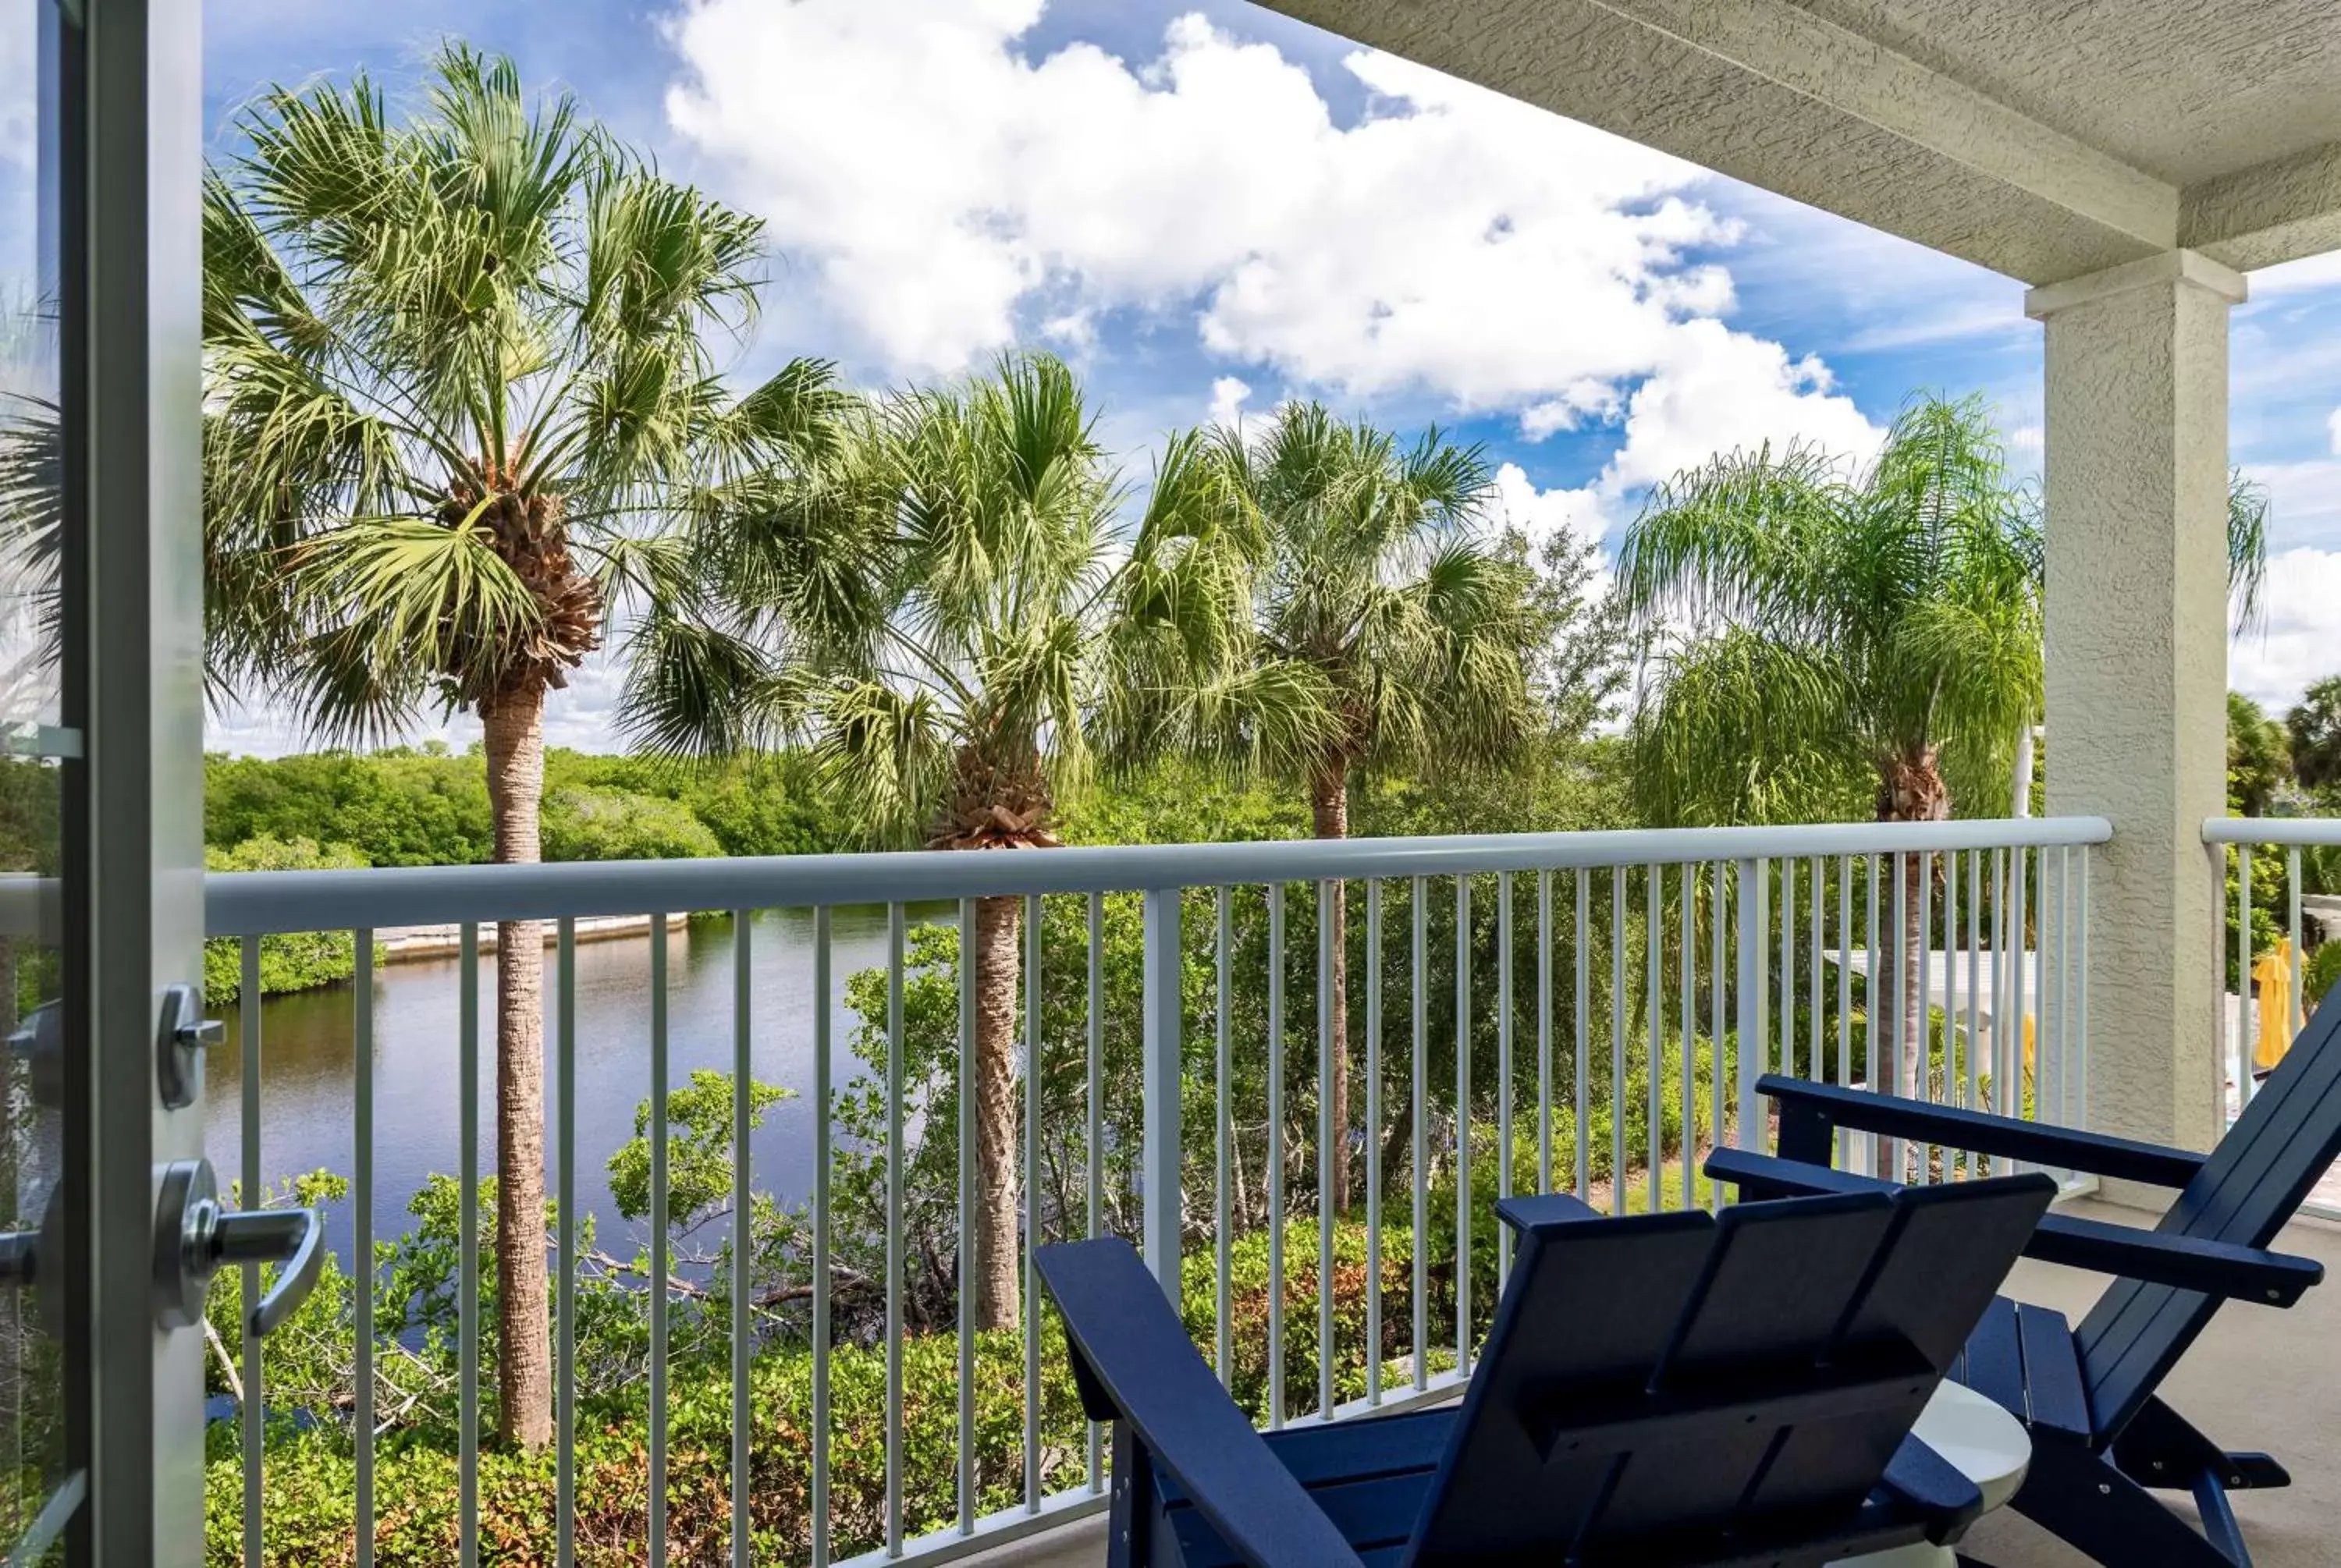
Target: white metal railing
{"x": 1649, "y": 953}
{"x": 2297, "y": 858}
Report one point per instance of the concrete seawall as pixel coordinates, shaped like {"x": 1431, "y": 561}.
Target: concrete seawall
{"x": 407, "y": 944}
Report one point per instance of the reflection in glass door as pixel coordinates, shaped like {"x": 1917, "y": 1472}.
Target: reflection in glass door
{"x": 39, "y": 1489}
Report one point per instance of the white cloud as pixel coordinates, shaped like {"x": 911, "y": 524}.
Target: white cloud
{"x": 944, "y": 189}
{"x": 1540, "y": 514}
{"x": 2291, "y": 277}
{"x": 1579, "y": 401}
{"x": 582, "y": 716}
{"x": 1719, "y": 390}
{"x": 2333, "y": 430}
{"x": 2304, "y": 499}
{"x": 1228, "y": 395}
{"x": 2299, "y": 642}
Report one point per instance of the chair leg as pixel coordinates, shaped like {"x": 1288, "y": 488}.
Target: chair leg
{"x": 2219, "y": 1519}
{"x": 1130, "y": 1537}
{"x": 2092, "y": 1506}
{"x": 2161, "y": 1448}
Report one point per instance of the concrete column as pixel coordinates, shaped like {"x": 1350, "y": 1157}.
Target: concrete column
{"x": 2137, "y": 478}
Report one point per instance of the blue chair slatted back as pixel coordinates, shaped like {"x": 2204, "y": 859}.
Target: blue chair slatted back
{"x": 2248, "y": 1190}
{"x": 1655, "y": 1388}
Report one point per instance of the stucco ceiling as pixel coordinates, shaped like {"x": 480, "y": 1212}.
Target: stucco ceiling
{"x": 2047, "y": 139}
{"x": 2184, "y": 90}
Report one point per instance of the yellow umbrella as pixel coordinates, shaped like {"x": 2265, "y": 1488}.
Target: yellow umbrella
{"x": 2280, "y": 1018}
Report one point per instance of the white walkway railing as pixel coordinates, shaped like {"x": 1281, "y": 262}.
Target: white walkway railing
{"x": 1527, "y": 1013}
{"x": 2272, "y": 873}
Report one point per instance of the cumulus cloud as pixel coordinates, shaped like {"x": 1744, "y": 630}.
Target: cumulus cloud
{"x": 2297, "y": 644}
{"x": 2333, "y": 430}
{"x": 1581, "y": 514}
{"x": 2318, "y": 271}
{"x": 946, "y": 190}
{"x": 1228, "y": 395}
{"x": 1719, "y": 390}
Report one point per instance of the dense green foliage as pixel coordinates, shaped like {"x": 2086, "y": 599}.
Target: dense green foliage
{"x": 2278, "y": 770}
{"x": 1849, "y": 633}
{"x": 294, "y": 961}
{"x": 2259, "y": 756}
{"x": 429, "y": 806}
{"x": 2313, "y": 728}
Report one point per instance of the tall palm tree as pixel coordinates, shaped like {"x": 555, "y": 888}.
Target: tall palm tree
{"x": 460, "y": 414}
{"x": 1816, "y": 634}
{"x": 1009, "y": 622}
{"x": 1376, "y": 582}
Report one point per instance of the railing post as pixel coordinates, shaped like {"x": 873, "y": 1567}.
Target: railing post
{"x": 1161, "y": 1059}
{"x": 1752, "y": 943}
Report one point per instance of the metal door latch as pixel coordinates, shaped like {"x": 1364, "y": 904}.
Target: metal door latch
{"x": 179, "y": 1042}
{"x": 193, "y": 1237}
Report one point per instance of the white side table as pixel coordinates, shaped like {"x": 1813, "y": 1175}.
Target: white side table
{"x": 1983, "y": 1443}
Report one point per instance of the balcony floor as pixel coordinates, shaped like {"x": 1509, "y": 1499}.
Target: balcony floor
{"x": 2258, "y": 1379}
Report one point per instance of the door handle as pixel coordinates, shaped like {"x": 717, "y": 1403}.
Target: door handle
{"x": 193, "y": 1237}
{"x": 21, "y": 1252}
{"x": 290, "y": 1237}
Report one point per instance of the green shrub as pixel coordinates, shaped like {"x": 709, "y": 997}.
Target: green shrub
{"x": 2321, "y": 975}
{"x": 595, "y": 824}
{"x": 310, "y": 1478}
{"x": 296, "y": 961}
{"x": 398, "y": 806}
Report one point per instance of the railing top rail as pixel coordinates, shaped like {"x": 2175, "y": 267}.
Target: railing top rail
{"x": 2303, "y": 831}
{"x": 259, "y": 903}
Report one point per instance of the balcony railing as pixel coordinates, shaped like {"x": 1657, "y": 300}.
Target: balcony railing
{"x": 1584, "y": 1012}
{"x": 2269, "y": 873}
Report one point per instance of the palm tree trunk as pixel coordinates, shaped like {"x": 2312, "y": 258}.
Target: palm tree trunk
{"x": 998, "y": 924}
{"x": 514, "y": 724}
{"x": 1329, "y": 802}
{"x": 1912, "y": 789}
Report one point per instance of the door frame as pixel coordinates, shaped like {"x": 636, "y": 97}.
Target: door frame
{"x": 132, "y": 336}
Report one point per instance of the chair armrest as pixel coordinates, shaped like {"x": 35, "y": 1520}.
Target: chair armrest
{"x": 1934, "y": 1487}
{"x": 1761, "y": 1177}
{"x": 1528, "y": 1210}
{"x": 2213, "y": 1267}
{"x": 1134, "y": 1364}
{"x": 2004, "y": 1137}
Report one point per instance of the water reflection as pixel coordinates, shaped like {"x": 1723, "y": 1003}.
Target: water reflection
{"x": 308, "y": 1063}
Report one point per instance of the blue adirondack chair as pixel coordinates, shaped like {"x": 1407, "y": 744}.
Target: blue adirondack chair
{"x": 1661, "y": 1391}
{"x": 2103, "y": 1440}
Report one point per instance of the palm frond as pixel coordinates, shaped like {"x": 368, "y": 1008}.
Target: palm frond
{"x": 886, "y": 755}
{"x": 696, "y": 690}
{"x": 489, "y": 299}
{"x": 1746, "y": 537}
{"x": 1738, "y": 729}
{"x": 2248, "y": 535}
{"x": 418, "y": 596}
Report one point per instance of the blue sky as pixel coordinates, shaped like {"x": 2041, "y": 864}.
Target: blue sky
{"x": 1209, "y": 207}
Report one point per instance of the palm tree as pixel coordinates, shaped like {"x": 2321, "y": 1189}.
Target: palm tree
{"x": 1817, "y": 635}
{"x": 1377, "y": 585}
{"x": 1006, "y": 625}
{"x": 459, "y": 416}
